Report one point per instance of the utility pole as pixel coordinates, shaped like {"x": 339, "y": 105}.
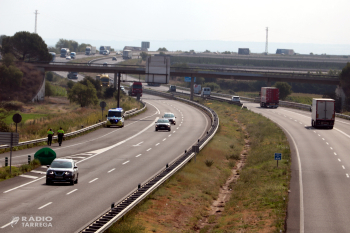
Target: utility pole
{"x": 267, "y": 37}
{"x": 36, "y": 17}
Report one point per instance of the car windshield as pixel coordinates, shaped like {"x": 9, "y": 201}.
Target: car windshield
{"x": 136, "y": 86}
{"x": 61, "y": 164}
{"x": 114, "y": 114}
{"x": 162, "y": 121}
{"x": 168, "y": 115}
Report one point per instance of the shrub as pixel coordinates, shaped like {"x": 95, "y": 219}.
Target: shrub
{"x": 11, "y": 105}
{"x": 209, "y": 163}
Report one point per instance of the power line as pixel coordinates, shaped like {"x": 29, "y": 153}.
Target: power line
{"x": 36, "y": 17}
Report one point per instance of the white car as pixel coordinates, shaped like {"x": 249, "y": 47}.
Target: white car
{"x": 235, "y": 99}
{"x": 68, "y": 58}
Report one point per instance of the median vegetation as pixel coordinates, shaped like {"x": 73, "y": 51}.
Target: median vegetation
{"x": 16, "y": 171}
{"x": 256, "y": 195}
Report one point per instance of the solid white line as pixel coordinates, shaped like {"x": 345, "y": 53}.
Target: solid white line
{"x": 164, "y": 139}
{"x": 157, "y": 144}
{"x": 138, "y": 155}
{"x": 72, "y": 191}
{"x": 301, "y": 194}
{"x": 23, "y": 185}
{"x": 93, "y": 180}
{"x": 27, "y": 176}
{"x": 111, "y": 170}
{"x": 343, "y": 166}
{"x": 77, "y": 157}
{"x": 149, "y": 149}
{"x": 44, "y": 205}
{"x": 39, "y": 172}
{"x": 126, "y": 162}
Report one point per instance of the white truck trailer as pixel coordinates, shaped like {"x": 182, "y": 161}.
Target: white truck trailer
{"x": 197, "y": 89}
{"x": 322, "y": 113}
{"x": 90, "y": 50}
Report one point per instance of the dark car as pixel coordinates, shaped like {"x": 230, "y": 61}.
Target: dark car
{"x": 163, "y": 124}
{"x": 171, "y": 117}
{"x": 72, "y": 75}
{"x": 114, "y": 58}
{"x": 62, "y": 170}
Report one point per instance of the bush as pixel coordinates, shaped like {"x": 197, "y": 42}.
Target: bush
{"x": 209, "y": 163}
{"x": 11, "y": 105}
{"x": 49, "y": 76}
{"x": 213, "y": 86}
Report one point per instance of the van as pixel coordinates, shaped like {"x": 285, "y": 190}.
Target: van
{"x": 236, "y": 99}
{"x": 73, "y": 55}
{"x": 205, "y": 92}
{"x": 172, "y": 88}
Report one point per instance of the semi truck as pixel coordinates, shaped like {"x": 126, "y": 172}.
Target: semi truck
{"x": 269, "y": 97}
{"x": 104, "y": 79}
{"x": 90, "y": 50}
{"x": 197, "y": 89}
{"x": 127, "y": 54}
{"x": 135, "y": 89}
{"x": 322, "y": 113}
{"x": 64, "y": 52}
{"x": 102, "y": 49}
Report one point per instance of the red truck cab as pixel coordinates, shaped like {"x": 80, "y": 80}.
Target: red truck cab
{"x": 135, "y": 89}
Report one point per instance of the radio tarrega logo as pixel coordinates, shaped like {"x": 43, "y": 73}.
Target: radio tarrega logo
{"x": 14, "y": 221}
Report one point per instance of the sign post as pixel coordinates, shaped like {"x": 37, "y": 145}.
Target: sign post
{"x": 195, "y": 149}
{"x": 278, "y": 156}
{"x": 17, "y": 118}
{"x": 9, "y": 138}
{"x": 102, "y": 105}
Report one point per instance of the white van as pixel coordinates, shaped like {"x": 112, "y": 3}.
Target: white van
{"x": 205, "y": 92}
{"x": 72, "y": 55}
{"x": 236, "y": 99}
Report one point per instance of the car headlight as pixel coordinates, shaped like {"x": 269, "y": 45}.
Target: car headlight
{"x": 50, "y": 172}
{"x": 68, "y": 173}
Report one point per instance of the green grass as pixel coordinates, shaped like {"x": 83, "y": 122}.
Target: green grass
{"x": 16, "y": 171}
{"x": 58, "y": 90}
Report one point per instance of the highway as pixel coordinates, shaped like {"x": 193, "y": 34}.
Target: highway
{"x": 111, "y": 161}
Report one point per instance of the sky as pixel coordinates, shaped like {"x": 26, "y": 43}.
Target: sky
{"x": 221, "y": 25}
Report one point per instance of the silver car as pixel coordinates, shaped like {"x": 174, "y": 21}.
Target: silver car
{"x": 171, "y": 117}
{"x": 62, "y": 170}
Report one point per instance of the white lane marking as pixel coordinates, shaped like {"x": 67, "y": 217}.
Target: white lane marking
{"x": 331, "y": 148}
{"x": 347, "y": 175}
{"x": 322, "y": 138}
{"x": 24, "y": 184}
{"x": 138, "y": 155}
{"x": 339, "y": 160}
{"x": 174, "y": 131}
{"x": 164, "y": 139}
{"x": 343, "y": 166}
{"x": 111, "y": 170}
{"x": 126, "y": 162}
{"x": 43, "y": 166}
{"x": 157, "y": 144}
{"x": 138, "y": 144}
{"x": 301, "y": 191}
{"x": 300, "y": 123}
{"x": 149, "y": 149}
{"x": 39, "y": 172}
{"x": 169, "y": 135}
{"x": 319, "y": 135}
{"x": 290, "y": 118}
{"x": 295, "y": 120}
{"x": 6, "y": 225}
{"x": 305, "y": 125}
{"x": 177, "y": 128}
{"x": 44, "y": 205}
{"x": 77, "y": 157}
{"x": 335, "y": 153}
{"x": 314, "y": 131}
{"x": 327, "y": 143}
{"x": 72, "y": 191}
{"x": 27, "y": 176}
{"x": 93, "y": 180}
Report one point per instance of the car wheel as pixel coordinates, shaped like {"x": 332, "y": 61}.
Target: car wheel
{"x": 48, "y": 182}
{"x": 156, "y": 129}
{"x": 71, "y": 182}
{"x": 76, "y": 181}
{"x": 169, "y": 130}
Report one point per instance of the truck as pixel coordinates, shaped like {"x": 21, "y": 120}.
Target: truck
{"x": 106, "y": 52}
{"x": 65, "y": 52}
{"x": 135, "y": 89}
{"x": 322, "y": 113}
{"x": 102, "y": 49}
{"x": 127, "y": 54}
{"x": 90, "y": 50}
{"x": 105, "y": 80}
{"x": 197, "y": 89}
{"x": 73, "y": 55}
{"x": 269, "y": 97}
{"x": 108, "y": 48}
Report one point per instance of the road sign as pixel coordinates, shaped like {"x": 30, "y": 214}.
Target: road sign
{"x": 103, "y": 104}
{"x": 5, "y": 138}
{"x": 17, "y": 118}
{"x": 278, "y": 156}
{"x": 188, "y": 79}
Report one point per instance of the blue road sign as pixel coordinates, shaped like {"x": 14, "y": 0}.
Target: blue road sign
{"x": 188, "y": 79}
{"x": 278, "y": 156}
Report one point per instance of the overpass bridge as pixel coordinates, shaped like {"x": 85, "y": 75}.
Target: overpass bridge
{"x": 223, "y": 73}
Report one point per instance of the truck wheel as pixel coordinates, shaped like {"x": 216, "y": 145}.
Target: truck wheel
{"x": 312, "y": 123}
{"x": 331, "y": 127}
{"x": 108, "y": 126}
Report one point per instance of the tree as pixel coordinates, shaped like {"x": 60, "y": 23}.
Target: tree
{"x": 26, "y": 46}
{"x": 162, "y": 53}
{"x": 48, "y": 89}
{"x": 213, "y": 86}
{"x": 70, "y": 84}
{"x": 144, "y": 55}
{"x": 3, "y": 115}
{"x": 10, "y": 76}
{"x": 96, "y": 83}
{"x": 2, "y": 37}
{"x": 109, "y": 92}
{"x": 49, "y": 76}
{"x": 84, "y": 95}
{"x": 162, "y": 50}
{"x": 207, "y": 51}
{"x": 284, "y": 88}
{"x": 82, "y": 47}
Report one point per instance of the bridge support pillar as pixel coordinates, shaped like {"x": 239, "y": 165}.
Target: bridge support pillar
{"x": 268, "y": 82}
{"x": 118, "y": 90}
{"x": 340, "y": 93}
{"x": 192, "y": 83}
{"x": 115, "y": 80}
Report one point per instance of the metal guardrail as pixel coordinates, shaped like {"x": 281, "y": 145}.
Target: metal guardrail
{"x": 116, "y": 212}
{"x": 127, "y": 114}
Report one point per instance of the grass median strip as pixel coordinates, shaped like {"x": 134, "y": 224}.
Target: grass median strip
{"x": 254, "y": 202}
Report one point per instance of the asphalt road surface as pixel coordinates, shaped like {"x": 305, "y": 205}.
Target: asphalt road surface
{"x": 111, "y": 161}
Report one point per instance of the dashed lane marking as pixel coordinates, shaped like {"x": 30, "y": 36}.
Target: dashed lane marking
{"x": 72, "y": 191}
{"x": 44, "y": 205}
{"x": 126, "y": 162}
{"x": 93, "y": 180}
{"x": 111, "y": 170}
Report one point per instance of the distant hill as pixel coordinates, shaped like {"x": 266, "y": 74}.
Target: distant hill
{"x": 31, "y": 83}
